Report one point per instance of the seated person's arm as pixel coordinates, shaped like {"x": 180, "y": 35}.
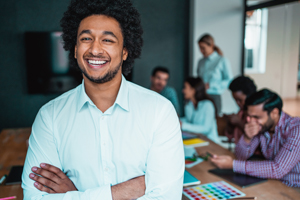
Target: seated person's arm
{"x": 203, "y": 127}
{"x": 286, "y": 159}
{"x": 42, "y": 149}
{"x": 248, "y": 142}
{"x": 183, "y": 119}
{"x": 244, "y": 149}
{"x": 165, "y": 161}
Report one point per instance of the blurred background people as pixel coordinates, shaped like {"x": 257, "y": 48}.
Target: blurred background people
{"x": 241, "y": 88}
{"x": 276, "y": 132}
{"x": 200, "y": 110}
{"x": 159, "y": 81}
{"x": 214, "y": 69}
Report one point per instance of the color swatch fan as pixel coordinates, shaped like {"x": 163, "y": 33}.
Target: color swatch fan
{"x": 212, "y": 191}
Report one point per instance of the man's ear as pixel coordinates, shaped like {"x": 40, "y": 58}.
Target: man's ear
{"x": 75, "y": 52}
{"x": 125, "y": 54}
{"x": 274, "y": 113}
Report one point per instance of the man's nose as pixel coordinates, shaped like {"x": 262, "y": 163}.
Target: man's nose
{"x": 96, "y": 48}
{"x": 251, "y": 119}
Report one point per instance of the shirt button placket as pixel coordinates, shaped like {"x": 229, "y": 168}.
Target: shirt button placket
{"x": 105, "y": 153}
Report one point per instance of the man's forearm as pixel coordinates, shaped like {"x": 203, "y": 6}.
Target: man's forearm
{"x": 131, "y": 189}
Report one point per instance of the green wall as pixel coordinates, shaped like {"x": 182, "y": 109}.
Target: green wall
{"x": 165, "y": 26}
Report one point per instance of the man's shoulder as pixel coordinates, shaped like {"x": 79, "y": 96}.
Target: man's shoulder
{"x": 289, "y": 124}
{"x": 288, "y": 120}
{"x": 144, "y": 94}
{"x": 62, "y": 99}
{"x": 205, "y": 102}
{"x": 169, "y": 90}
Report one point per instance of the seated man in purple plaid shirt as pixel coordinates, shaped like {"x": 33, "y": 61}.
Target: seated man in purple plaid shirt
{"x": 278, "y": 135}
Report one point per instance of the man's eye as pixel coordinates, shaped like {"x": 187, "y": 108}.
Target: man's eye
{"x": 85, "y": 39}
{"x": 107, "y": 40}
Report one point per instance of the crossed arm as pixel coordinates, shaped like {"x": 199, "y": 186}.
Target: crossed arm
{"x": 162, "y": 180}
{"x": 51, "y": 179}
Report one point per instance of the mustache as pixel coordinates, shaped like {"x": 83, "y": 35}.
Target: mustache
{"x": 96, "y": 56}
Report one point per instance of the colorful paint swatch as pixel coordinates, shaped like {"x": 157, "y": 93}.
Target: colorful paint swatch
{"x": 212, "y": 191}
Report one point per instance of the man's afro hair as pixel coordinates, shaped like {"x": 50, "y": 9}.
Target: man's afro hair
{"x": 121, "y": 10}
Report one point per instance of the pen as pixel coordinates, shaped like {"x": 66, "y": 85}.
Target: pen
{"x": 2, "y": 179}
{"x": 7, "y": 198}
{"x": 239, "y": 198}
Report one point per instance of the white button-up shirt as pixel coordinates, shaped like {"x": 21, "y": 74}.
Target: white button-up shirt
{"x": 139, "y": 135}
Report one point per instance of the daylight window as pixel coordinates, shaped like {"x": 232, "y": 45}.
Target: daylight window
{"x": 256, "y": 41}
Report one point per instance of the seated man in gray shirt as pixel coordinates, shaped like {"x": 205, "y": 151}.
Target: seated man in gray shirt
{"x": 159, "y": 80}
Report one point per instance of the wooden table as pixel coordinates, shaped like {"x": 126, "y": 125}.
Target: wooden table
{"x": 269, "y": 190}
{"x": 13, "y": 150}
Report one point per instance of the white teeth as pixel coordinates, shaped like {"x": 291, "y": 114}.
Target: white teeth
{"x": 96, "y": 62}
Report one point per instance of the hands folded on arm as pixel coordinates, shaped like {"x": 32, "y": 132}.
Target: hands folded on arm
{"x": 51, "y": 179}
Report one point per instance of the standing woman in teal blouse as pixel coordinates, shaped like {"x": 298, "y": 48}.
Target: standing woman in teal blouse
{"x": 214, "y": 68}
{"x": 200, "y": 112}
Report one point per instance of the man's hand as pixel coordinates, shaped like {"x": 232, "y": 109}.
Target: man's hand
{"x": 222, "y": 162}
{"x": 252, "y": 128}
{"x": 51, "y": 179}
{"x": 131, "y": 189}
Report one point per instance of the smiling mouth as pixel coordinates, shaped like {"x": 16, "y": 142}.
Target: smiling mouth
{"x": 97, "y": 63}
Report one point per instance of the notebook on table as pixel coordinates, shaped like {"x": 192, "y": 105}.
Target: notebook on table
{"x": 195, "y": 142}
{"x": 189, "y": 179}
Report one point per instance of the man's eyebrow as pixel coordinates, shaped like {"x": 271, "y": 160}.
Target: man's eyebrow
{"x": 254, "y": 116}
{"x": 84, "y": 31}
{"x": 110, "y": 33}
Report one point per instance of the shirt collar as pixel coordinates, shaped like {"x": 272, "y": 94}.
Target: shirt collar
{"x": 121, "y": 100}
{"x": 213, "y": 56}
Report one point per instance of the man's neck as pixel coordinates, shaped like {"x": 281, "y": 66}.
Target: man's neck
{"x": 103, "y": 95}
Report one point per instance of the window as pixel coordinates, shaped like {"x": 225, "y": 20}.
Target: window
{"x": 256, "y": 41}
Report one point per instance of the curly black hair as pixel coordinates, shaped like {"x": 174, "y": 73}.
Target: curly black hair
{"x": 121, "y": 10}
{"x": 243, "y": 84}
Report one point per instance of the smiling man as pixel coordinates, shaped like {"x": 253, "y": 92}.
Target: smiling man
{"x": 107, "y": 138}
{"x": 278, "y": 135}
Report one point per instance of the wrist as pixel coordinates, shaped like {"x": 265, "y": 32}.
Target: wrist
{"x": 247, "y": 139}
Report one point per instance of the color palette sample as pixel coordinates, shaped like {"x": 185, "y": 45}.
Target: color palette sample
{"x": 212, "y": 191}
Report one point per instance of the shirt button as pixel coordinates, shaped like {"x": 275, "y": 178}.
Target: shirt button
{"x": 106, "y": 169}
{"x": 102, "y": 117}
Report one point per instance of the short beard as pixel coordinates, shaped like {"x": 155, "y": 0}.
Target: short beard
{"x": 106, "y": 78}
{"x": 267, "y": 126}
